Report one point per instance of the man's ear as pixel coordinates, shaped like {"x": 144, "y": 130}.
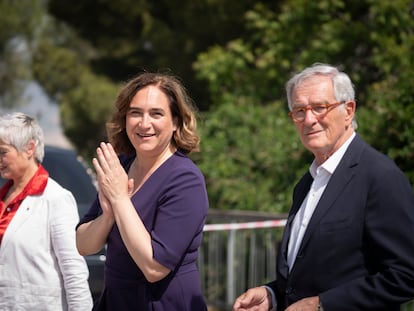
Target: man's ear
{"x": 350, "y": 107}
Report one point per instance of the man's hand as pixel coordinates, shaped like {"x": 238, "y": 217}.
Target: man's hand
{"x": 255, "y": 299}
{"x": 305, "y": 304}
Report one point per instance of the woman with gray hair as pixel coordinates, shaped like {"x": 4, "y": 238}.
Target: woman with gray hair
{"x": 40, "y": 267}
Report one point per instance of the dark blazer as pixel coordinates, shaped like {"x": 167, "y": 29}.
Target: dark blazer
{"x": 358, "y": 250}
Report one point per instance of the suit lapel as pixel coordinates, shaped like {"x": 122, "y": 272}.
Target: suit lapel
{"x": 340, "y": 178}
{"x": 300, "y": 193}
{"x": 22, "y": 215}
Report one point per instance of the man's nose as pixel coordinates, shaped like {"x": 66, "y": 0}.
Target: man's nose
{"x": 309, "y": 117}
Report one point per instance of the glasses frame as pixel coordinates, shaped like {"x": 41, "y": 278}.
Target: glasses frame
{"x": 327, "y": 106}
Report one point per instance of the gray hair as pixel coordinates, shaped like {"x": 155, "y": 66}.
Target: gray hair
{"x": 18, "y": 129}
{"x": 342, "y": 85}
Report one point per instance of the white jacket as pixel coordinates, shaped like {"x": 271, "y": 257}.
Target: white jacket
{"x": 40, "y": 267}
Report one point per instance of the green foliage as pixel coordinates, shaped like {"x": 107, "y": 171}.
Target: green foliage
{"x": 131, "y": 35}
{"x": 19, "y": 18}
{"x": 85, "y": 110}
{"x": 235, "y": 57}
{"x": 57, "y": 68}
{"x": 243, "y": 154}
{"x": 370, "y": 40}
{"x": 389, "y": 113}
{"x": 36, "y": 46}
{"x": 17, "y": 21}
{"x": 60, "y": 64}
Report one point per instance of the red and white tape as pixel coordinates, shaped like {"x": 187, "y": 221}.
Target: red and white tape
{"x": 246, "y": 225}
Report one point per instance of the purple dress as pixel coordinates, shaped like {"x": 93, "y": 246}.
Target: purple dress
{"x": 173, "y": 206}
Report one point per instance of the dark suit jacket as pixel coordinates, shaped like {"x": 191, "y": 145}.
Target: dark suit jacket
{"x": 358, "y": 250}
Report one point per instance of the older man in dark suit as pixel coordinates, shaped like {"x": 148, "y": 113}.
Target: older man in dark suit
{"x": 348, "y": 244}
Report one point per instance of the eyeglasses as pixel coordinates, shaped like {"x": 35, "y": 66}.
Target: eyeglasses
{"x": 318, "y": 110}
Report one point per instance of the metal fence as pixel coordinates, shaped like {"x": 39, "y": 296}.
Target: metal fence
{"x": 239, "y": 252}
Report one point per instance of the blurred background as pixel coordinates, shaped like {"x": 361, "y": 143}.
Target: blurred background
{"x": 64, "y": 62}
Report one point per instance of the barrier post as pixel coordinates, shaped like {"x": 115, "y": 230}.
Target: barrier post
{"x": 231, "y": 239}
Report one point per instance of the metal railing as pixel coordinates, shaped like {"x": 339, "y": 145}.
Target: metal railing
{"x": 235, "y": 256}
{"x": 239, "y": 252}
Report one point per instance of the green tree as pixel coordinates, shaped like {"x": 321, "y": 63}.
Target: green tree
{"x": 243, "y": 155}
{"x": 34, "y": 46}
{"x": 85, "y": 111}
{"x": 17, "y": 20}
{"x": 388, "y": 115}
{"x": 85, "y": 99}
{"x": 130, "y": 35}
{"x": 235, "y": 57}
{"x": 371, "y": 40}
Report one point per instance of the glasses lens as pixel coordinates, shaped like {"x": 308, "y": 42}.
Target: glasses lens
{"x": 299, "y": 115}
{"x": 319, "y": 109}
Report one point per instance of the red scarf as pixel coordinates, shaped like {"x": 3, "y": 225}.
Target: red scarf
{"x": 35, "y": 186}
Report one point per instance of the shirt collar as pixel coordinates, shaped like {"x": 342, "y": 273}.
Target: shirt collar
{"x": 35, "y": 186}
{"x": 332, "y": 162}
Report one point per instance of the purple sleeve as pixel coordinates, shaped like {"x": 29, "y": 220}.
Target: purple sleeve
{"x": 178, "y": 226}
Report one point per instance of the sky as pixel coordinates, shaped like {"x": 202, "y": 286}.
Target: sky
{"x": 37, "y": 104}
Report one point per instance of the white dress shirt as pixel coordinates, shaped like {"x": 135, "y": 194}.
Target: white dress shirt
{"x": 321, "y": 176}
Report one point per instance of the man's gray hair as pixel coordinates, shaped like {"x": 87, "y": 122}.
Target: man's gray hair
{"x": 342, "y": 84}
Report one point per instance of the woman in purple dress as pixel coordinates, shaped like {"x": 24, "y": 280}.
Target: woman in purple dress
{"x": 152, "y": 201}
